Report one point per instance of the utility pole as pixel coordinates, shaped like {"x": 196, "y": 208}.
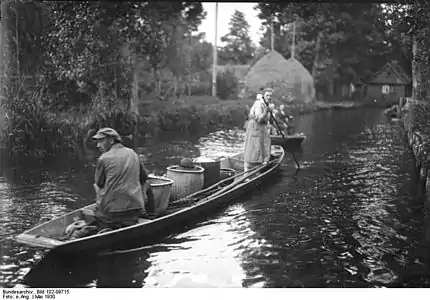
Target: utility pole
{"x": 215, "y": 54}
{"x": 272, "y": 36}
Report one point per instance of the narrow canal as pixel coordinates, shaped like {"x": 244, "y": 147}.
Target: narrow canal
{"x": 349, "y": 218}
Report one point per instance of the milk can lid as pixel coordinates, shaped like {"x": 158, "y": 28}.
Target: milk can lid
{"x": 203, "y": 159}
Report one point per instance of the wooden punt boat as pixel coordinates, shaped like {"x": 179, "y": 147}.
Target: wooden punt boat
{"x": 194, "y": 206}
{"x": 392, "y": 111}
{"x": 290, "y": 141}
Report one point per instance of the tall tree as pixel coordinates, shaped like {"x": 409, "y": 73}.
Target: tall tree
{"x": 352, "y": 41}
{"x": 417, "y": 17}
{"x": 399, "y": 42}
{"x": 238, "y": 49}
{"x": 86, "y": 39}
{"x": 93, "y": 46}
{"x": 170, "y": 26}
{"x": 408, "y": 37}
{"x": 201, "y": 53}
{"x": 22, "y": 24}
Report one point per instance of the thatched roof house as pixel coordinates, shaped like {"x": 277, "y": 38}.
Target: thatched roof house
{"x": 290, "y": 80}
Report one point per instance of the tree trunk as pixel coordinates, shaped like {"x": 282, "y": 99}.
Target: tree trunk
{"x": 316, "y": 60}
{"x": 116, "y": 91}
{"x": 4, "y": 61}
{"x": 332, "y": 89}
{"x": 175, "y": 84}
{"x": 101, "y": 92}
{"x": 415, "y": 70}
{"x": 134, "y": 101}
{"x": 156, "y": 80}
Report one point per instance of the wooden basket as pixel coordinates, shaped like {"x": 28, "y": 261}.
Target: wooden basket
{"x": 161, "y": 187}
{"x": 185, "y": 182}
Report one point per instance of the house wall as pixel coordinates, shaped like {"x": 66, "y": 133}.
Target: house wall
{"x": 374, "y": 92}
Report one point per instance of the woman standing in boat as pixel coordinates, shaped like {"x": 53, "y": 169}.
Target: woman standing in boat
{"x": 257, "y": 139}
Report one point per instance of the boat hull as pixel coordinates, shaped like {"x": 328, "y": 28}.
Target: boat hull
{"x": 142, "y": 232}
{"x": 392, "y": 112}
{"x": 293, "y": 140}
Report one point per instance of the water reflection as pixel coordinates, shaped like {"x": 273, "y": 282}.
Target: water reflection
{"x": 108, "y": 270}
{"x": 211, "y": 258}
{"x": 62, "y": 271}
{"x": 123, "y": 270}
{"x": 162, "y": 154}
{"x": 221, "y": 143}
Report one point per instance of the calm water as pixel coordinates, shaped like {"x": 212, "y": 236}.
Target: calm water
{"x": 349, "y": 218}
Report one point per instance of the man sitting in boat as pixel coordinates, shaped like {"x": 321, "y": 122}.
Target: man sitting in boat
{"x": 119, "y": 178}
{"x": 280, "y": 121}
{"x": 282, "y": 112}
{"x": 286, "y": 119}
{"x": 272, "y": 125}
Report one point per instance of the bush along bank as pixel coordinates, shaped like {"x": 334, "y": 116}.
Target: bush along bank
{"x": 34, "y": 130}
{"x": 415, "y": 116}
{"x": 193, "y": 118}
{"x": 37, "y": 131}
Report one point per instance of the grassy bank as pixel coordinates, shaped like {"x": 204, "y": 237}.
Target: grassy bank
{"x": 38, "y": 132}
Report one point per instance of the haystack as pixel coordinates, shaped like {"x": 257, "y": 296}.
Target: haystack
{"x": 289, "y": 78}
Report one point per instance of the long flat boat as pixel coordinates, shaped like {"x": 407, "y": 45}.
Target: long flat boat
{"x": 291, "y": 140}
{"x": 391, "y": 111}
{"x": 197, "y": 204}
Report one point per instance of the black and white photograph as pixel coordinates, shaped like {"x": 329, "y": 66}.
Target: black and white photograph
{"x": 280, "y": 146}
